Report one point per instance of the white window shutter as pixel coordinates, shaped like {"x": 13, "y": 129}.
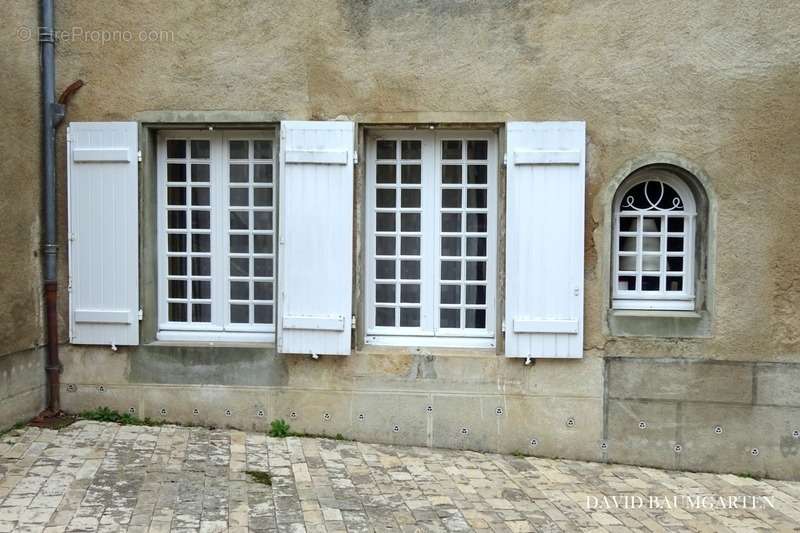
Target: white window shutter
{"x": 315, "y": 253}
{"x": 103, "y": 213}
{"x": 544, "y": 239}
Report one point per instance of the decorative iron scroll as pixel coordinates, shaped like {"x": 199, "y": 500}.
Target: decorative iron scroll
{"x": 640, "y": 197}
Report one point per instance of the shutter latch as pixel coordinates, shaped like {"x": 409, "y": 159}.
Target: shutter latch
{"x": 139, "y": 156}
{"x": 141, "y": 314}
{"x": 353, "y": 322}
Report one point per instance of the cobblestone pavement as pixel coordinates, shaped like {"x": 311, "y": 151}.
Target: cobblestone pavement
{"x": 104, "y": 477}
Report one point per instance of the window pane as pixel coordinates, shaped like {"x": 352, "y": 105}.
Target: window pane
{"x": 451, "y": 270}
{"x": 176, "y": 266}
{"x": 451, "y": 246}
{"x": 450, "y": 318}
{"x": 240, "y": 266}
{"x": 201, "y": 219}
{"x": 675, "y": 264}
{"x": 650, "y": 283}
{"x": 411, "y": 174}
{"x": 477, "y": 198}
{"x": 476, "y": 294}
{"x": 409, "y": 294}
{"x": 450, "y": 294}
{"x": 201, "y": 196}
{"x": 262, "y": 314}
{"x": 262, "y": 267}
{"x": 410, "y": 246}
{"x": 384, "y": 293}
{"x": 240, "y": 314}
{"x": 262, "y": 150}
{"x": 675, "y": 224}
{"x": 409, "y": 270}
{"x": 201, "y": 290}
{"x": 176, "y": 148}
{"x": 176, "y": 172}
{"x": 384, "y": 316}
{"x": 177, "y": 288}
{"x": 176, "y": 243}
{"x": 239, "y": 149}
{"x": 385, "y": 221}
{"x": 201, "y": 149}
{"x": 240, "y": 290}
{"x": 240, "y": 244}
{"x": 675, "y": 244}
{"x": 477, "y": 149}
{"x": 201, "y": 242}
{"x": 201, "y": 266}
{"x": 651, "y": 224}
{"x": 411, "y": 198}
{"x": 262, "y": 290}
{"x": 476, "y": 270}
{"x": 451, "y": 197}
{"x": 410, "y": 222}
{"x": 385, "y": 198}
{"x": 651, "y": 244}
{"x": 451, "y": 174}
{"x": 239, "y": 220}
{"x": 627, "y": 244}
{"x": 262, "y": 197}
{"x": 176, "y": 312}
{"x": 477, "y": 222}
{"x": 385, "y": 269}
{"x": 176, "y": 196}
{"x": 476, "y": 246}
{"x": 411, "y": 149}
{"x": 628, "y": 223}
{"x": 386, "y": 150}
{"x": 262, "y": 173}
{"x": 451, "y": 222}
{"x": 627, "y": 263}
{"x": 201, "y": 312}
{"x": 626, "y": 283}
{"x": 476, "y": 174}
{"x": 651, "y": 263}
{"x": 262, "y": 244}
{"x": 674, "y": 283}
{"x": 475, "y": 318}
{"x": 240, "y": 196}
{"x": 262, "y": 220}
{"x": 451, "y": 149}
{"x": 386, "y": 174}
{"x": 201, "y": 173}
{"x": 384, "y": 245}
{"x": 409, "y": 317}
{"x": 239, "y": 173}
{"x": 176, "y": 219}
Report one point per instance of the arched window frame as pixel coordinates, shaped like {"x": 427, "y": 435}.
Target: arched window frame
{"x": 662, "y": 299}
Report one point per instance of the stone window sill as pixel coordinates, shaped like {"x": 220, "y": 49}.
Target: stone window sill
{"x": 655, "y": 323}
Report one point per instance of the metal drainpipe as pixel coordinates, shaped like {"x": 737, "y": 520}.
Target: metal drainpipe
{"x": 52, "y": 114}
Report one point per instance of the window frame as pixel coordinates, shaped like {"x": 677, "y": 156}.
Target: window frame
{"x": 219, "y": 329}
{"x": 430, "y": 334}
{"x": 662, "y": 300}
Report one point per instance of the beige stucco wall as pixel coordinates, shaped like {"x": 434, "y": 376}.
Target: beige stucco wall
{"x": 713, "y": 83}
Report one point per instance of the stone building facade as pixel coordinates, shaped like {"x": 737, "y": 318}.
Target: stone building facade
{"x": 706, "y": 92}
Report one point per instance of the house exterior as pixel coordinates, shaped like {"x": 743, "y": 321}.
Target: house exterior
{"x": 560, "y": 229}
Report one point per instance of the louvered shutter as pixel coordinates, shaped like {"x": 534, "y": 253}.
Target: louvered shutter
{"x": 315, "y": 230}
{"x": 544, "y": 239}
{"x": 103, "y": 233}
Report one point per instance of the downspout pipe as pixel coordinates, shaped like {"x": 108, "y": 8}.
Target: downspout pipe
{"x": 52, "y": 114}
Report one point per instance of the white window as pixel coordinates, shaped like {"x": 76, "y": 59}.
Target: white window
{"x": 215, "y": 236}
{"x": 431, "y": 252}
{"x": 654, "y": 231}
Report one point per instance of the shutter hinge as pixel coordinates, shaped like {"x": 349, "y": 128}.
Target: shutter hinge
{"x": 503, "y": 326}
{"x": 353, "y": 322}
{"x": 355, "y": 157}
{"x": 141, "y": 314}
{"x": 68, "y": 140}
{"x": 72, "y": 237}
{"x": 139, "y": 156}
{"x": 505, "y": 159}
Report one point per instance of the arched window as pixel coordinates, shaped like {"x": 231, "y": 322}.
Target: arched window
{"x": 654, "y": 242}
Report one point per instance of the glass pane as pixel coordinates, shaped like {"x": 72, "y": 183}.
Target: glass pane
{"x": 410, "y": 245}
{"x": 651, "y": 263}
{"x": 262, "y": 290}
{"x": 201, "y": 290}
{"x": 240, "y": 290}
{"x": 675, "y": 224}
{"x": 411, "y": 149}
{"x": 201, "y": 173}
{"x": 384, "y": 316}
{"x": 385, "y": 221}
{"x": 451, "y": 174}
{"x": 177, "y": 288}
{"x": 176, "y": 243}
{"x": 651, "y": 244}
{"x": 475, "y": 318}
{"x": 262, "y": 173}
{"x": 476, "y": 294}
{"x": 627, "y": 262}
{"x": 176, "y": 196}
{"x": 386, "y": 150}
{"x": 176, "y": 219}
{"x": 627, "y": 244}
{"x": 477, "y": 149}
{"x": 201, "y": 312}
{"x": 674, "y": 264}
{"x": 409, "y": 294}
{"x": 411, "y": 198}
{"x": 675, "y": 244}
{"x": 477, "y": 222}
{"x": 262, "y": 244}
{"x": 386, "y": 174}
{"x": 451, "y": 270}
{"x": 411, "y": 174}
{"x": 201, "y": 220}
{"x": 651, "y": 224}
{"x": 450, "y": 294}
{"x": 177, "y": 312}
{"x": 239, "y": 196}
{"x": 201, "y": 149}
{"x": 262, "y": 314}
{"x": 451, "y": 197}
{"x": 674, "y": 283}
{"x": 409, "y": 317}
{"x": 384, "y": 269}
{"x": 239, "y": 220}
{"x": 477, "y": 198}
{"x": 410, "y": 222}
{"x": 451, "y": 149}
{"x": 476, "y": 246}
{"x": 201, "y": 242}
{"x": 239, "y": 173}
{"x": 385, "y": 293}
{"x": 262, "y": 267}
{"x": 240, "y": 266}
{"x": 239, "y": 150}
{"x": 176, "y": 172}
{"x": 409, "y": 270}
{"x": 176, "y": 148}
{"x": 451, "y": 246}
{"x": 201, "y": 266}
{"x": 239, "y": 244}
{"x": 476, "y": 270}
{"x": 262, "y": 197}
{"x": 201, "y": 196}
{"x": 626, "y": 283}
{"x": 650, "y": 283}
{"x": 386, "y": 198}
{"x": 628, "y": 223}
{"x": 450, "y": 318}
{"x": 451, "y": 222}
{"x": 384, "y": 245}
{"x": 240, "y": 314}
{"x": 476, "y": 174}
{"x": 262, "y": 149}
{"x": 262, "y": 220}
{"x": 176, "y": 266}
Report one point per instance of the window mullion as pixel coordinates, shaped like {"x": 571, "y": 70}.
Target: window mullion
{"x": 219, "y": 251}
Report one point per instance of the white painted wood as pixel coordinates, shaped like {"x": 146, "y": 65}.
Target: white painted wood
{"x": 315, "y": 258}
{"x": 103, "y": 218}
{"x": 321, "y": 157}
{"x": 327, "y": 323}
{"x": 544, "y": 239}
